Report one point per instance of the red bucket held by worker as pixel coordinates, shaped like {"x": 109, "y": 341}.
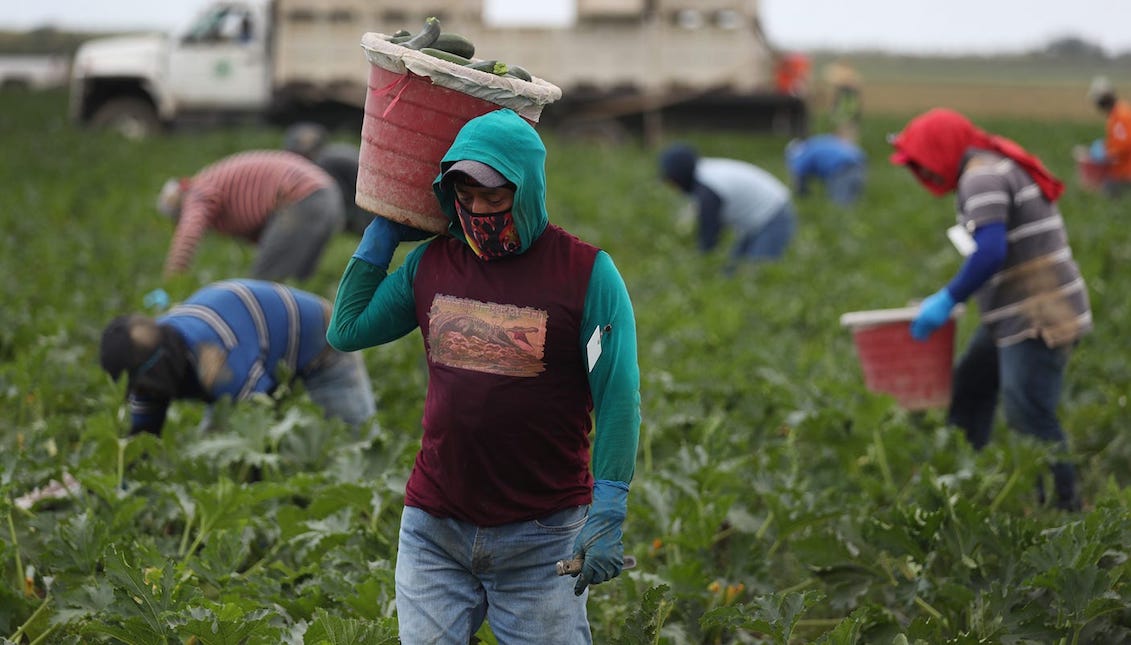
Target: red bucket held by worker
{"x": 414, "y": 107}
{"x": 916, "y": 373}
{"x": 1090, "y": 173}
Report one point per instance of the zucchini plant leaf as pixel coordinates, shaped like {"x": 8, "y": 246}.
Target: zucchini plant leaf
{"x": 333, "y": 630}
{"x": 146, "y": 599}
{"x": 645, "y": 622}
{"x": 229, "y": 624}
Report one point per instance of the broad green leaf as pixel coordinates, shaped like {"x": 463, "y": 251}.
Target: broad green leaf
{"x": 327, "y": 629}
{"x": 228, "y": 624}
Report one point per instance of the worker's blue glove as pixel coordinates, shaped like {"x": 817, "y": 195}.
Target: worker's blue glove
{"x": 380, "y": 240}
{"x": 158, "y": 300}
{"x": 599, "y": 542}
{"x": 1098, "y": 151}
{"x": 933, "y": 312}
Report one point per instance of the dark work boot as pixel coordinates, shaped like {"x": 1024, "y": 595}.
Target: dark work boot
{"x": 1064, "y": 482}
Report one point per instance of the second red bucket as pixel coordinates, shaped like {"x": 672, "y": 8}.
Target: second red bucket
{"x": 1089, "y": 172}
{"x": 414, "y": 108}
{"x": 916, "y": 373}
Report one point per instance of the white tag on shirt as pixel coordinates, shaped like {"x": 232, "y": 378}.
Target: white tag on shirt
{"x": 593, "y": 347}
{"x": 962, "y": 240}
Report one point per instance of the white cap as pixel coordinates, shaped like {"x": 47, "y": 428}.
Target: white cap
{"x": 1100, "y": 88}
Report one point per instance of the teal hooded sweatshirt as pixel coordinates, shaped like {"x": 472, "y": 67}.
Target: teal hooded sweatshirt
{"x": 373, "y": 308}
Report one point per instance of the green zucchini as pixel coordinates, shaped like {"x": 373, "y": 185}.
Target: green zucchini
{"x": 518, "y": 72}
{"x": 454, "y": 44}
{"x": 426, "y": 36}
{"x": 490, "y": 66}
{"x": 443, "y": 55}
{"x": 399, "y": 33}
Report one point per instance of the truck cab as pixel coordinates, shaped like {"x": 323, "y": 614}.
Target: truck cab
{"x": 218, "y": 66}
{"x": 621, "y": 64}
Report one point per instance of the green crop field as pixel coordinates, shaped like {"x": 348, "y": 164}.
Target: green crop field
{"x": 1030, "y": 86}
{"x": 776, "y": 500}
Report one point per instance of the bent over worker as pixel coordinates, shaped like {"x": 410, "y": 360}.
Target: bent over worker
{"x": 229, "y": 340}
{"x": 281, "y": 202}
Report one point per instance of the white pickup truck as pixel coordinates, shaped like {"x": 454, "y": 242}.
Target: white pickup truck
{"x": 620, "y": 60}
{"x": 237, "y": 60}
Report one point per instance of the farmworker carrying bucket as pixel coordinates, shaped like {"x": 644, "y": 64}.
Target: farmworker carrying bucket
{"x": 1032, "y": 300}
{"x": 530, "y": 342}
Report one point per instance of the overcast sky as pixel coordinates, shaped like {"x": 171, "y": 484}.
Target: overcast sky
{"x": 909, "y": 26}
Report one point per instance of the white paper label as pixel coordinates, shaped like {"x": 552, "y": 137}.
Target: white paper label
{"x": 962, "y": 240}
{"x": 593, "y": 347}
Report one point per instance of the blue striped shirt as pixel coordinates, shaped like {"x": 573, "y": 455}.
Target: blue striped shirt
{"x": 239, "y": 333}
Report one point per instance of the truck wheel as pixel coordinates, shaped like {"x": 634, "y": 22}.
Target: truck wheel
{"x": 132, "y": 118}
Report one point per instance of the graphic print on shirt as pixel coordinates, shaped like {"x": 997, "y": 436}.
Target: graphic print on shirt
{"x": 487, "y": 336}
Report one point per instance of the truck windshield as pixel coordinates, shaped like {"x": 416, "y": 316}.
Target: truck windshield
{"x": 221, "y": 24}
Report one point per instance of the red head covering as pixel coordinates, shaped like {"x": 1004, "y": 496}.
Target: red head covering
{"x": 937, "y": 140}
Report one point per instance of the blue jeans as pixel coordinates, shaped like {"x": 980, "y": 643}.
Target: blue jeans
{"x": 1029, "y": 377}
{"x": 1116, "y": 187}
{"x": 342, "y": 388}
{"x": 451, "y": 575}
{"x": 845, "y": 186}
{"x": 292, "y": 242}
{"x": 770, "y": 241}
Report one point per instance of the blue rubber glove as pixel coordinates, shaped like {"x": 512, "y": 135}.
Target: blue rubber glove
{"x": 599, "y": 542}
{"x": 933, "y": 312}
{"x": 380, "y": 240}
{"x": 1098, "y": 151}
{"x": 158, "y": 299}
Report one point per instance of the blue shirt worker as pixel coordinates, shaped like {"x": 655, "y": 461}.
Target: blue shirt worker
{"x": 733, "y": 194}
{"x": 230, "y": 340}
{"x": 840, "y": 164}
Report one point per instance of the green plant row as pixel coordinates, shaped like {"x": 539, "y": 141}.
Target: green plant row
{"x": 776, "y": 500}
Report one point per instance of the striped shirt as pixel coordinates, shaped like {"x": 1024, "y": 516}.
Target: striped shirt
{"x": 237, "y": 195}
{"x": 1038, "y": 292}
{"x": 239, "y": 333}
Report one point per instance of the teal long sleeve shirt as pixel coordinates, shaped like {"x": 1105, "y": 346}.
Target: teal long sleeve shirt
{"x": 373, "y": 308}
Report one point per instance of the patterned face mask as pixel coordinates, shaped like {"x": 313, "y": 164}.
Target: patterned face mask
{"x": 490, "y": 235}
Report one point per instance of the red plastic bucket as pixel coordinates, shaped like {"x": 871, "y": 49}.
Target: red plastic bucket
{"x": 1089, "y": 172}
{"x": 403, "y": 144}
{"x": 414, "y": 108}
{"x": 916, "y": 373}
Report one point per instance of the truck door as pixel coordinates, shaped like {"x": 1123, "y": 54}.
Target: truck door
{"x": 220, "y": 62}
